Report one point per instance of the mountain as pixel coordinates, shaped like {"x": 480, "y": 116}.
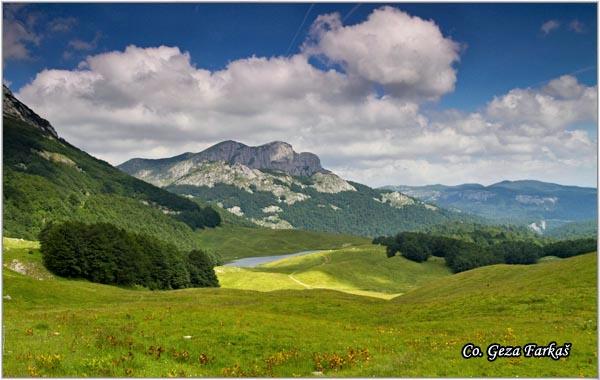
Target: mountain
{"x": 543, "y": 205}
{"x": 13, "y": 108}
{"x": 47, "y": 179}
{"x": 273, "y": 186}
{"x": 276, "y": 155}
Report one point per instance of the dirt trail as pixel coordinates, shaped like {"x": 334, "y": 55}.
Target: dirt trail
{"x": 291, "y": 276}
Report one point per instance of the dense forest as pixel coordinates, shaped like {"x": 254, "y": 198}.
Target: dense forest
{"x": 571, "y": 247}
{"x": 483, "y": 233}
{"x": 478, "y": 248}
{"x": 106, "y": 254}
{"x": 351, "y": 212}
{"x": 573, "y": 230}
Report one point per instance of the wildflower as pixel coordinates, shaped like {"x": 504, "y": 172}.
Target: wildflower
{"x": 203, "y": 359}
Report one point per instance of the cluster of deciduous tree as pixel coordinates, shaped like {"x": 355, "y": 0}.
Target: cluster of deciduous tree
{"x": 573, "y": 247}
{"x": 482, "y": 234}
{"x": 200, "y": 218}
{"x": 106, "y": 254}
{"x": 461, "y": 255}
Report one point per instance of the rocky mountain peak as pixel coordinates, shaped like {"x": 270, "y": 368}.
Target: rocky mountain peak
{"x": 277, "y": 145}
{"x": 228, "y": 145}
{"x": 12, "y": 107}
{"x": 278, "y": 151}
{"x": 276, "y": 155}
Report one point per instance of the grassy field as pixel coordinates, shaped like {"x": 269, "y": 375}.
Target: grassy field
{"x": 57, "y": 327}
{"x": 363, "y": 270}
{"x": 233, "y": 242}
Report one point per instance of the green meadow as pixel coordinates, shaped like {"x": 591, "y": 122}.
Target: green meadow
{"x": 67, "y": 328}
{"x": 233, "y": 242}
{"x": 363, "y": 270}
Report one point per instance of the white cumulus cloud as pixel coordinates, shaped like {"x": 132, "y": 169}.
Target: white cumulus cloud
{"x": 407, "y": 55}
{"x": 18, "y": 33}
{"x": 154, "y": 102}
{"x": 549, "y": 26}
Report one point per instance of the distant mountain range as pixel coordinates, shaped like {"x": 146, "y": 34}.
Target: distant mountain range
{"x": 274, "y": 186}
{"x": 543, "y": 205}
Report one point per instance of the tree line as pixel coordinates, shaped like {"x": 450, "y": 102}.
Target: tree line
{"x": 461, "y": 255}
{"x": 106, "y": 254}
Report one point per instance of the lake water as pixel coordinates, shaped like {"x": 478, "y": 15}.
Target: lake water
{"x": 251, "y": 262}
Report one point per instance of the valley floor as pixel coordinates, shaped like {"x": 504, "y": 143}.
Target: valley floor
{"x": 57, "y": 327}
{"x": 232, "y": 242}
{"x": 362, "y": 270}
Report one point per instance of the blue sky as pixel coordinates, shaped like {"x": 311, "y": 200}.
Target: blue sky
{"x": 504, "y": 46}
{"x": 501, "y": 46}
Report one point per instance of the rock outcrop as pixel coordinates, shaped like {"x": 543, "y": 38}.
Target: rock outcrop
{"x": 209, "y": 174}
{"x": 276, "y": 155}
{"x": 12, "y": 107}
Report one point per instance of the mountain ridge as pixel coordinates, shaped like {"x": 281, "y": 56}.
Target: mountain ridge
{"x": 275, "y": 155}
{"x": 501, "y": 183}
{"x": 12, "y": 107}
{"x": 520, "y": 201}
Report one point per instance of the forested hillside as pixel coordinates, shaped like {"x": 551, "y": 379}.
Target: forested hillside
{"x": 361, "y": 212}
{"x": 47, "y": 179}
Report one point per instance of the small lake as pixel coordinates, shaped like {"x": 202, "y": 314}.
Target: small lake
{"x": 251, "y": 262}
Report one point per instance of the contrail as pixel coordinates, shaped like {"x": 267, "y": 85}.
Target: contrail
{"x": 299, "y": 28}
{"x": 351, "y": 11}
{"x": 583, "y": 70}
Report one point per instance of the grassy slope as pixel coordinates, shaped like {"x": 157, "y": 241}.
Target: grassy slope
{"x": 363, "y": 270}
{"x": 58, "y": 327}
{"x": 233, "y": 242}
